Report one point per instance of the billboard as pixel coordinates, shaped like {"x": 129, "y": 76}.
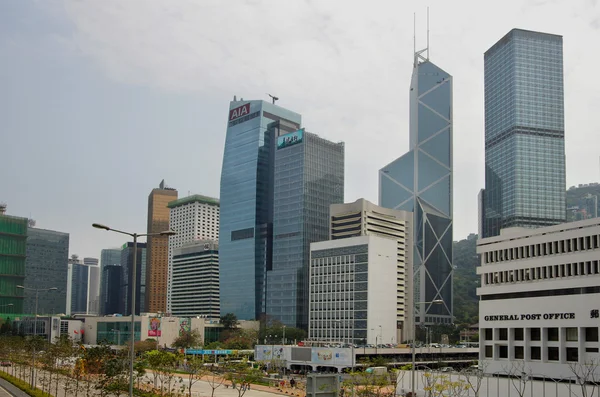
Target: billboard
{"x": 271, "y": 352}
{"x": 239, "y": 112}
{"x": 331, "y": 356}
{"x": 290, "y": 139}
{"x": 154, "y": 326}
{"x": 185, "y": 326}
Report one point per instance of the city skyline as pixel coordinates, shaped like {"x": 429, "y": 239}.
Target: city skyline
{"x": 116, "y": 96}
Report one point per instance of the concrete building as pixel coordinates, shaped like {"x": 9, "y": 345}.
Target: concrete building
{"x": 50, "y": 327}
{"x": 157, "y": 276}
{"x": 421, "y": 182}
{"x": 540, "y": 299}
{"x": 195, "y": 287}
{"x": 127, "y": 276}
{"x": 363, "y": 218}
{"x": 46, "y": 267}
{"x": 246, "y": 230}
{"x": 308, "y": 178}
{"x": 353, "y": 290}
{"x": 524, "y": 132}
{"x": 108, "y": 257}
{"x": 13, "y": 245}
{"x": 194, "y": 218}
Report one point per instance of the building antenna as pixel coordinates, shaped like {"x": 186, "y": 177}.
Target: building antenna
{"x": 428, "y": 33}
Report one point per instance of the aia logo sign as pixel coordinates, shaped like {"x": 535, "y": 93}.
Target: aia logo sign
{"x": 239, "y": 112}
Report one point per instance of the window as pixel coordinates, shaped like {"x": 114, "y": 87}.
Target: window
{"x": 489, "y": 333}
{"x": 553, "y": 334}
{"x": 489, "y": 351}
{"x": 503, "y": 334}
{"x": 571, "y": 334}
{"x": 536, "y": 353}
{"x": 535, "y": 334}
{"x": 519, "y": 352}
{"x": 502, "y": 351}
{"x": 591, "y": 334}
{"x": 553, "y": 354}
{"x": 572, "y": 354}
{"x": 518, "y": 333}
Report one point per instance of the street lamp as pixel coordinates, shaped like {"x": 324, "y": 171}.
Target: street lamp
{"x": 414, "y": 325}
{"x": 133, "y": 287}
{"x": 37, "y": 292}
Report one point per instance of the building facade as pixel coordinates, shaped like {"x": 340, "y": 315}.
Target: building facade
{"x": 524, "y": 132}
{"x": 13, "y": 250}
{"x": 353, "y": 290}
{"x": 194, "y": 218}
{"x": 157, "y": 276}
{"x": 540, "y": 299}
{"x": 79, "y": 285}
{"x": 127, "y": 276}
{"x": 246, "y": 233}
{"x": 421, "y": 182}
{"x": 111, "y": 299}
{"x": 363, "y": 218}
{"x": 308, "y": 178}
{"x": 195, "y": 286}
{"x": 46, "y": 267}
{"x": 108, "y": 257}
{"x": 93, "y": 296}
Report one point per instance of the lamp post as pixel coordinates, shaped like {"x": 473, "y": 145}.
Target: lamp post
{"x": 283, "y": 338}
{"x": 414, "y": 325}
{"x": 133, "y": 288}
{"x": 37, "y": 293}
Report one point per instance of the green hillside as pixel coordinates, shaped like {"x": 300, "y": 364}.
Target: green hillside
{"x": 466, "y": 281}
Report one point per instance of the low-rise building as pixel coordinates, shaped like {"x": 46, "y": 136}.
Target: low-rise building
{"x": 540, "y": 299}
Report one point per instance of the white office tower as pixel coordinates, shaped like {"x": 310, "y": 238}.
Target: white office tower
{"x": 194, "y": 218}
{"x": 352, "y": 295}
{"x": 195, "y": 284}
{"x": 93, "y": 297}
{"x": 363, "y": 218}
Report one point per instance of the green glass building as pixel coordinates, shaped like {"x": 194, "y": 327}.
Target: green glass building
{"x": 13, "y": 243}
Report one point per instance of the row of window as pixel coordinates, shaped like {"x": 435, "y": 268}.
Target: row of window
{"x": 542, "y": 273}
{"x": 537, "y": 334}
{"x": 543, "y": 249}
{"x": 571, "y": 354}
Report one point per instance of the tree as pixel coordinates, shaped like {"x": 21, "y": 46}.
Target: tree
{"x": 144, "y": 346}
{"x": 586, "y": 376}
{"x": 519, "y": 375}
{"x": 196, "y": 370}
{"x": 187, "y": 340}
{"x": 229, "y": 321}
{"x": 241, "y": 375}
{"x": 473, "y": 377}
{"x": 214, "y": 381}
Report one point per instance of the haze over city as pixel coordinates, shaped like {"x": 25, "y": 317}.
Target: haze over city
{"x": 103, "y": 100}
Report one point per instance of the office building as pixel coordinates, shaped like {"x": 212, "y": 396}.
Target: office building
{"x": 524, "y": 132}
{"x": 93, "y": 295}
{"x": 46, "y": 267}
{"x": 245, "y": 235}
{"x": 79, "y": 285}
{"x": 585, "y": 207}
{"x": 13, "y": 243}
{"x": 353, "y": 290}
{"x": 127, "y": 276}
{"x": 108, "y": 257}
{"x": 194, "y": 218}
{"x": 308, "y": 178}
{"x": 111, "y": 298}
{"x": 157, "y": 276}
{"x": 540, "y": 299}
{"x": 363, "y": 218}
{"x": 421, "y": 182}
{"x": 195, "y": 290}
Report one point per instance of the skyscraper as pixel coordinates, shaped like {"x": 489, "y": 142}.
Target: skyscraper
{"x": 245, "y": 235}
{"x": 13, "y": 243}
{"x": 157, "y": 277}
{"x": 308, "y": 178}
{"x": 524, "y": 133}
{"x": 127, "y": 276}
{"x": 421, "y": 182}
{"x": 194, "y": 218}
{"x": 108, "y": 257}
{"x": 46, "y": 266}
{"x": 93, "y": 295}
{"x": 78, "y": 291}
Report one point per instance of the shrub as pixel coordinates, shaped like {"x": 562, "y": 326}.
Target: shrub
{"x": 22, "y": 385}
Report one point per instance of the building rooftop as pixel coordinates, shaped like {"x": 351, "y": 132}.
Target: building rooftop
{"x": 195, "y": 198}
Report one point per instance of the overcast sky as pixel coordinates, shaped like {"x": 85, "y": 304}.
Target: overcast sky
{"x": 100, "y": 100}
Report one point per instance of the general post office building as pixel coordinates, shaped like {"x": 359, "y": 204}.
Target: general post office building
{"x": 540, "y": 298}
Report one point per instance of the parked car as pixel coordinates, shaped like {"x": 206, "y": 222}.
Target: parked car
{"x": 447, "y": 369}
{"x": 5, "y": 364}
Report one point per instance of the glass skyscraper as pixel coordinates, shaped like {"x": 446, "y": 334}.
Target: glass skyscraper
{"x": 109, "y": 257}
{"x": 308, "y": 178}
{"x": 421, "y": 182}
{"x": 524, "y": 133}
{"x": 246, "y": 230}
